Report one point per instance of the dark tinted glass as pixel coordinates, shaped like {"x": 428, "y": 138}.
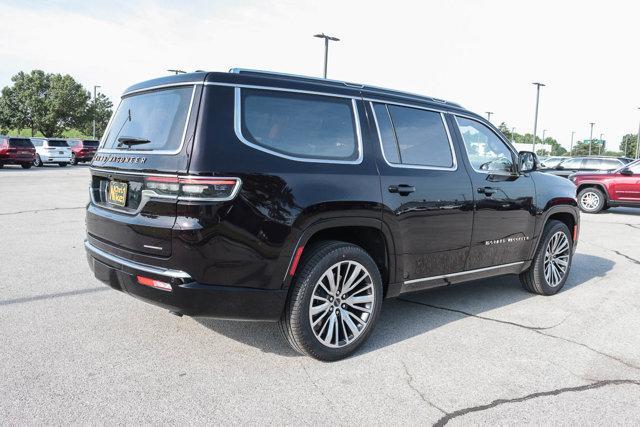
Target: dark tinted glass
{"x": 57, "y": 143}
{"x": 20, "y": 142}
{"x": 422, "y": 137}
{"x": 159, "y": 116}
{"x": 387, "y": 136}
{"x": 300, "y": 125}
{"x": 90, "y": 143}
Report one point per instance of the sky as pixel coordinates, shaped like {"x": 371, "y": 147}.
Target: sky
{"x": 483, "y": 54}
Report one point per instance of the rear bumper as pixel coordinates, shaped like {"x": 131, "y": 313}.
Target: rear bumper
{"x": 186, "y": 296}
{"x": 14, "y": 160}
{"x": 55, "y": 159}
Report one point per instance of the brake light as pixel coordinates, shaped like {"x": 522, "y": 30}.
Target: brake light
{"x": 4, "y": 147}
{"x": 193, "y": 188}
{"x": 147, "y": 281}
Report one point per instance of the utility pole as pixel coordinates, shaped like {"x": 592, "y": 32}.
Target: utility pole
{"x": 489, "y": 113}
{"x": 326, "y": 48}
{"x": 177, "y": 71}
{"x": 95, "y": 104}
{"x": 513, "y": 135}
{"x": 591, "y": 137}
{"x": 571, "y": 145}
{"x": 535, "y": 120}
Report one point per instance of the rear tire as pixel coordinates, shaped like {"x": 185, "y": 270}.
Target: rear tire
{"x": 74, "y": 160}
{"x": 1, "y": 165}
{"x": 591, "y": 200}
{"x": 26, "y": 165}
{"x": 62, "y": 164}
{"x": 38, "y": 161}
{"x": 329, "y": 322}
{"x": 552, "y": 261}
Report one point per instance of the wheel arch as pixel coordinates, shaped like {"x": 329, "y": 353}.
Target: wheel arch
{"x": 567, "y": 214}
{"x": 369, "y": 233}
{"x": 594, "y": 184}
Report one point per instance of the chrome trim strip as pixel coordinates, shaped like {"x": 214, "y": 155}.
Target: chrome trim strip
{"x": 169, "y": 152}
{"x": 174, "y": 274}
{"x": 237, "y": 126}
{"x": 281, "y": 89}
{"x": 462, "y": 273}
{"x": 454, "y": 167}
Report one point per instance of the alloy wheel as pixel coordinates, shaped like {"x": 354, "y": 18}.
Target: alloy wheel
{"x": 590, "y": 201}
{"x": 556, "y": 259}
{"x": 341, "y": 304}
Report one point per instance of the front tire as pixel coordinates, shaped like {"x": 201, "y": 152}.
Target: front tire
{"x": 591, "y": 200}
{"x": 38, "y": 161}
{"x": 74, "y": 159}
{"x": 334, "y": 303}
{"x": 552, "y": 261}
{"x": 62, "y": 164}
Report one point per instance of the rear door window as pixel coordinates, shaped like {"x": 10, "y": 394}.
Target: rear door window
{"x": 159, "y": 117}
{"x": 414, "y": 137}
{"x": 301, "y": 126}
{"x": 571, "y": 164}
{"x": 610, "y": 164}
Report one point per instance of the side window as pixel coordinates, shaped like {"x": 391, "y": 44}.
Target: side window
{"x": 414, "y": 137}
{"x": 610, "y": 164}
{"x": 593, "y": 164}
{"x": 635, "y": 167}
{"x": 487, "y": 152}
{"x": 300, "y": 125}
{"x": 572, "y": 164}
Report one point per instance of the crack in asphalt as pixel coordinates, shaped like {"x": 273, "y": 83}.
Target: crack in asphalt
{"x": 41, "y": 210}
{"x": 637, "y": 227}
{"x": 320, "y": 390}
{"x": 536, "y": 330}
{"x": 633, "y": 260}
{"x": 414, "y": 388}
{"x": 491, "y": 319}
{"x": 555, "y": 392}
{"x": 51, "y": 296}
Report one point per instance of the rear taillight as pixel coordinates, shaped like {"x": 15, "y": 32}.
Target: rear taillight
{"x": 193, "y": 188}
{"x": 4, "y": 147}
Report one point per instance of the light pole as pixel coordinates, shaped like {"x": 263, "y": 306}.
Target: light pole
{"x": 489, "y": 113}
{"x": 326, "y": 48}
{"x": 571, "y": 144}
{"x": 535, "y": 120}
{"x": 95, "y": 104}
{"x": 177, "y": 71}
{"x": 591, "y": 137}
{"x": 638, "y": 140}
{"x": 513, "y": 135}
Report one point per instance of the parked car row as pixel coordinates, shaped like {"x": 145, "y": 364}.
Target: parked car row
{"x": 565, "y": 166}
{"x": 28, "y": 152}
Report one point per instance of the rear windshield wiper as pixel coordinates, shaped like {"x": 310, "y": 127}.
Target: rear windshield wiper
{"x": 131, "y": 140}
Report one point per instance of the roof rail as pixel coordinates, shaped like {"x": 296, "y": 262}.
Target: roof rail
{"x": 380, "y": 90}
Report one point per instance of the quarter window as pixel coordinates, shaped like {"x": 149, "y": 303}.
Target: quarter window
{"x": 486, "y": 151}
{"x": 413, "y": 137}
{"x": 300, "y": 125}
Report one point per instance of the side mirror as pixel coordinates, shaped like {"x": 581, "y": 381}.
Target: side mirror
{"x": 626, "y": 171}
{"x": 528, "y": 161}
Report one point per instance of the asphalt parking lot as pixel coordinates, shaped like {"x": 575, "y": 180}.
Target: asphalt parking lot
{"x": 74, "y": 351}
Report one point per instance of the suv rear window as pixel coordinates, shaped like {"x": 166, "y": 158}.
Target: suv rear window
{"x": 20, "y": 142}
{"x": 159, "y": 116}
{"x": 90, "y": 143}
{"x": 299, "y": 125}
{"x": 57, "y": 143}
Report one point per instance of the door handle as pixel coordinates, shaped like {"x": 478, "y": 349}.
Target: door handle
{"x": 487, "y": 191}
{"x": 402, "y": 189}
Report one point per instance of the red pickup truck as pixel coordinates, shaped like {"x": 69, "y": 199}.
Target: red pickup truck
{"x": 599, "y": 191}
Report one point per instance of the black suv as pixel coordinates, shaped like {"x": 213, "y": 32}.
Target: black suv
{"x": 263, "y": 196}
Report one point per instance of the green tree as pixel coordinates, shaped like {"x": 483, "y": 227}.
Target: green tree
{"x": 629, "y": 144}
{"x": 46, "y": 103}
{"x": 100, "y": 109}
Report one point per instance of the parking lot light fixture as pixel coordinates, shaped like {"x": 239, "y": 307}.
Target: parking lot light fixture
{"x": 535, "y": 120}
{"x": 326, "y": 48}
{"x": 95, "y": 104}
{"x": 637, "y": 141}
{"x": 571, "y": 143}
{"x": 601, "y": 146}
{"x": 489, "y": 113}
{"x": 591, "y": 137}
{"x": 513, "y": 135}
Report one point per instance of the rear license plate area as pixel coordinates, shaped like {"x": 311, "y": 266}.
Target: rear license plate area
{"x": 117, "y": 193}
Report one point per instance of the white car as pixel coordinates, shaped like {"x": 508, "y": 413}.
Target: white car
{"x": 50, "y": 150}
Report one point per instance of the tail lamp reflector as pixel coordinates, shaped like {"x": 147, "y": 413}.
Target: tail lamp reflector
{"x": 193, "y": 188}
{"x": 147, "y": 281}
{"x": 296, "y": 260}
